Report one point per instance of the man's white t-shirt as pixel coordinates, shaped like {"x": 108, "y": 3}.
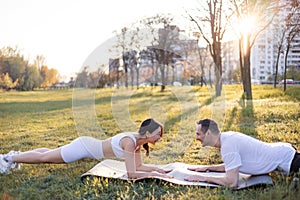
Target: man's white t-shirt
{"x": 253, "y": 156}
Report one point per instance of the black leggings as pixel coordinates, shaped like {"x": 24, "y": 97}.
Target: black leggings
{"x": 295, "y": 163}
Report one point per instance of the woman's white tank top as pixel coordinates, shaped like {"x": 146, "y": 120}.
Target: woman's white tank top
{"x": 116, "y": 145}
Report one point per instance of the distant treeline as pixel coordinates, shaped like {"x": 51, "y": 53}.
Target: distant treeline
{"x": 17, "y": 73}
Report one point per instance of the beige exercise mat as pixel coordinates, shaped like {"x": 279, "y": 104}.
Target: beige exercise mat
{"x": 116, "y": 169}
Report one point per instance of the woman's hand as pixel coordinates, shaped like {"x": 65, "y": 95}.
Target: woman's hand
{"x": 162, "y": 175}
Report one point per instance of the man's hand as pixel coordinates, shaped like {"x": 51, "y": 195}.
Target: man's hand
{"x": 199, "y": 169}
{"x": 209, "y": 168}
{"x": 231, "y": 178}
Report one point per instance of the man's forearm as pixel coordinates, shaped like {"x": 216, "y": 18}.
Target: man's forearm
{"x": 216, "y": 168}
{"x": 225, "y": 181}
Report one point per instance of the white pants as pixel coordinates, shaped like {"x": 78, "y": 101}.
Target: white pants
{"x": 82, "y": 147}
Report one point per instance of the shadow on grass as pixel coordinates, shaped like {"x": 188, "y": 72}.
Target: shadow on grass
{"x": 293, "y": 92}
{"x": 188, "y": 112}
{"x": 247, "y": 120}
{"x": 231, "y": 119}
{"x": 143, "y": 189}
{"x": 209, "y": 101}
{"x": 183, "y": 138}
{"x": 33, "y": 107}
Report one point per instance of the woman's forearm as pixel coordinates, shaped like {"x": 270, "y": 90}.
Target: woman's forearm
{"x": 146, "y": 168}
{"x": 135, "y": 175}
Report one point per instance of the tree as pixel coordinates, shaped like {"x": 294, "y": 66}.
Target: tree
{"x": 49, "y": 76}
{"x": 293, "y": 72}
{"x": 136, "y": 39}
{"x": 188, "y": 48}
{"x": 39, "y": 61}
{"x": 163, "y": 36}
{"x": 260, "y": 12}
{"x": 281, "y": 30}
{"x": 214, "y": 21}
{"x": 150, "y": 24}
{"x": 12, "y": 62}
{"x": 168, "y": 36}
{"x": 25, "y": 76}
{"x": 293, "y": 29}
{"x": 103, "y": 79}
{"x": 132, "y": 64}
{"x": 32, "y": 78}
{"x": 93, "y": 78}
{"x": 123, "y": 44}
{"x": 6, "y": 82}
{"x": 203, "y": 54}
{"x": 82, "y": 79}
{"x": 280, "y": 39}
{"x": 114, "y": 65}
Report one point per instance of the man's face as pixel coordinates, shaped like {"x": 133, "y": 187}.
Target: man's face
{"x": 201, "y": 136}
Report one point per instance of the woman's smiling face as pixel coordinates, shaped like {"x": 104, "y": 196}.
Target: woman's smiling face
{"x": 154, "y": 136}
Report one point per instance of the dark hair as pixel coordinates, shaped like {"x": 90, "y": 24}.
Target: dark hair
{"x": 150, "y": 125}
{"x": 208, "y": 124}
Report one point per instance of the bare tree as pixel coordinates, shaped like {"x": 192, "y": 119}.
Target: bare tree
{"x": 203, "y": 54}
{"x": 264, "y": 11}
{"x": 168, "y": 37}
{"x": 151, "y": 23}
{"x": 161, "y": 45}
{"x": 138, "y": 36}
{"x": 40, "y": 61}
{"x": 292, "y": 24}
{"x": 123, "y": 44}
{"x": 281, "y": 32}
{"x": 214, "y": 21}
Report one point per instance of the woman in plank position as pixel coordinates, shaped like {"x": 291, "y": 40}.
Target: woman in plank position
{"x": 123, "y": 145}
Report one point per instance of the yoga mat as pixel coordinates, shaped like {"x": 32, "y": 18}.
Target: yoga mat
{"x": 116, "y": 169}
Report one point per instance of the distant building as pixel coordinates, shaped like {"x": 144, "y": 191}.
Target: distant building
{"x": 264, "y": 51}
{"x": 230, "y": 60}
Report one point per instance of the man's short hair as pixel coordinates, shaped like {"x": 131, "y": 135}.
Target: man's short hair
{"x": 208, "y": 124}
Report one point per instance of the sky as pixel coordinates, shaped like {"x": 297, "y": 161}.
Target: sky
{"x": 65, "y": 32}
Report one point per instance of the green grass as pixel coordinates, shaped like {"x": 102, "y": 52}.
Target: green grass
{"x": 45, "y": 119}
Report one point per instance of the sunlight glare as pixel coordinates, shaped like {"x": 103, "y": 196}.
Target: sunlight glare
{"x": 247, "y": 25}
{"x": 241, "y": 27}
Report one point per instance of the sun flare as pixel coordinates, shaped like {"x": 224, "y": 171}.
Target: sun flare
{"x": 246, "y": 25}
{"x": 242, "y": 27}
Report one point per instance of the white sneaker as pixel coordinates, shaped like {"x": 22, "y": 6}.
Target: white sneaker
{"x": 14, "y": 165}
{"x": 4, "y": 165}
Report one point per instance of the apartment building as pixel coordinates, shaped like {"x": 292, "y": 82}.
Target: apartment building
{"x": 265, "y": 50}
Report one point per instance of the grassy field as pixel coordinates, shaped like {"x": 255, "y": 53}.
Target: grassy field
{"x": 46, "y": 119}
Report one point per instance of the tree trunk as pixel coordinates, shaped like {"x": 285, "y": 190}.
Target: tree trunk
{"x": 137, "y": 77}
{"x": 276, "y": 67}
{"x": 218, "y": 69}
{"x": 247, "y": 78}
{"x": 285, "y": 65}
{"x": 245, "y": 53}
{"x": 218, "y": 77}
{"x": 173, "y": 73}
{"x": 241, "y": 59}
{"x": 218, "y": 84}
{"x": 162, "y": 70}
{"x": 126, "y": 70}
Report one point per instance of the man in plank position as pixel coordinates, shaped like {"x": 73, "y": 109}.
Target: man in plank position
{"x": 242, "y": 153}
